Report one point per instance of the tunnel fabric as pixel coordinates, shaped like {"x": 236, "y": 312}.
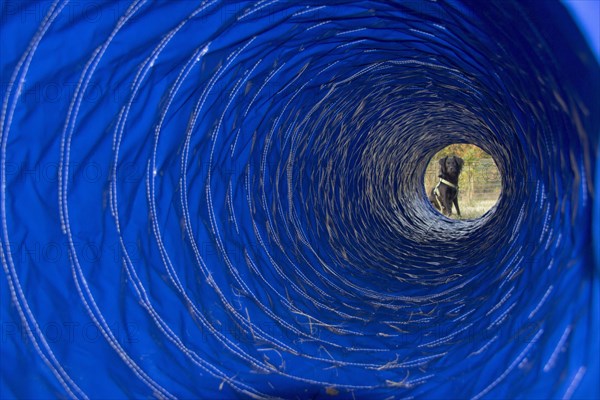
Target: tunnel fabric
{"x": 225, "y": 199}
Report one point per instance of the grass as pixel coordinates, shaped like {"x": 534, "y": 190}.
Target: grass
{"x": 473, "y": 210}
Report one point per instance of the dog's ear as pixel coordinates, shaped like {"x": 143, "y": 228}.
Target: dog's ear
{"x": 443, "y": 165}
{"x": 460, "y": 162}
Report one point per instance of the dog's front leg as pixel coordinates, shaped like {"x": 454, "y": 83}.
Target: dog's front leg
{"x": 456, "y": 205}
{"x": 447, "y": 207}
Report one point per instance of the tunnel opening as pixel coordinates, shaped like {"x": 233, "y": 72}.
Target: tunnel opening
{"x": 468, "y": 176}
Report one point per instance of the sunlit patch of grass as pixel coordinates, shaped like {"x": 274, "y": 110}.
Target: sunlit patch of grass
{"x": 474, "y": 210}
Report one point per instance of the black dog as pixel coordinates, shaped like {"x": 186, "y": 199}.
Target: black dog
{"x": 446, "y": 191}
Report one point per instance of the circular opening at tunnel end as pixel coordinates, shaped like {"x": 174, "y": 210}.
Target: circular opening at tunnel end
{"x": 462, "y": 175}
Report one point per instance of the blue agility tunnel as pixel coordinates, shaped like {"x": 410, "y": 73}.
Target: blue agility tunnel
{"x": 222, "y": 199}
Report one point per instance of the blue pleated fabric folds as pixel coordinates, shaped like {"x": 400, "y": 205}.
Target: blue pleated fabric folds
{"x": 225, "y": 200}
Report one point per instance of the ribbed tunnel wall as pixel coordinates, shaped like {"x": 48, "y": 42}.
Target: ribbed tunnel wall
{"x": 222, "y": 200}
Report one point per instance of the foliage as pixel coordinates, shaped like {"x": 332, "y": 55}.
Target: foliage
{"x": 468, "y": 152}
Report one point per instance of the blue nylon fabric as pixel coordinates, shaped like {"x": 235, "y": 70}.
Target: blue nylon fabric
{"x": 224, "y": 200}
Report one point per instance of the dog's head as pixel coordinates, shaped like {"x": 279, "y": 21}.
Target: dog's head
{"x": 450, "y": 167}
